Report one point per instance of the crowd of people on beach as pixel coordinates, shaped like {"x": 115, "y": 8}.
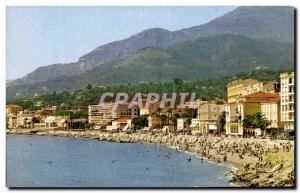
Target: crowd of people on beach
{"x": 216, "y": 148}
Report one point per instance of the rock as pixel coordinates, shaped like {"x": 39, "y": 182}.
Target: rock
{"x": 276, "y": 168}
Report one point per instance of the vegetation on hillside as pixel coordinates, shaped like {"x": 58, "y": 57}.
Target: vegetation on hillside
{"x": 210, "y": 89}
{"x": 200, "y": 59}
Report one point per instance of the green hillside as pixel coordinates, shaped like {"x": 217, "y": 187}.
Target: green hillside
{"x": 210, "y": 89}
{"x": 203, "y": 58}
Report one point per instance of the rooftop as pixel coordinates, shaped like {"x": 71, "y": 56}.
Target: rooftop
{"x": 261, "y": 97}
{"x": 121, "y": 120}
{"x": 241, "y": 81}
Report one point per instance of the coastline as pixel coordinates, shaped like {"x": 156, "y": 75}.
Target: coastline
{"x": 246, "y": 171}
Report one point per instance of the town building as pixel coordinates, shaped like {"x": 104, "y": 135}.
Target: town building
{"x": 100, "y": 115}
{"x": 106, "y": 113}
{"x": 121, "y": 124}
{"x": 263, "y": 102}
{"x": 181, "y": 124}
{"x": 11, "y": 120}
{"x": 270, "y": 108}
{"x": 239, "y": 88}
{"x": 208, "y": 114}
{"x": 149, "y": 109}
{"x": 287, "y": 99}
{"x": 57, "y": 122}
{"x": 13, "y": 109}
{"x": 25, "y": 119}
{"x": 41, "y": 115}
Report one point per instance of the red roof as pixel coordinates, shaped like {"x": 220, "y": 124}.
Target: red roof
{"x": 178, "y": 110}
{"x": 262, "y": 97}
{"x": 45, "y": 112}
{"x": 121, "y": 120}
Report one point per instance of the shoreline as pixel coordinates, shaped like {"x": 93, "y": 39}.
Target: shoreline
{"x": 208, "y": 147}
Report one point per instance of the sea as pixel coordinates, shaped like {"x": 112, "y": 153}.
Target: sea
{"x": 55, "y": 162}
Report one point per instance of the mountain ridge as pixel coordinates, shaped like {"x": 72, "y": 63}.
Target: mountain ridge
{"x": 223, "y": 54}
{"x": 257, "y": 18}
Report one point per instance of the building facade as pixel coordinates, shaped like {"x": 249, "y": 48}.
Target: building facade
{"x": 240, "y": 88}
{"x": 25, "y": 119}
{"x": 260, "y": 102}
{"x": 208, "y": 114}
{"x": 106, "y": 113}
{"x": 57, "y": 122}
{"x": 287, "y": 97}
{"x": 13, "y": 109}
{"x": 271, "y": 110}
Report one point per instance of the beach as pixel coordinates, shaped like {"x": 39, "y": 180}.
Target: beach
{"x": 256, "y": 162}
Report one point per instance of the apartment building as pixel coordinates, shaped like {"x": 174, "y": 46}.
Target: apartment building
{"x": 287, "y": 97}
{"x": 239, "y": 88}
{"x": 208, "y": 114}
{"x": 11, "y": 120}
{"x": 149, "y": 109}
{"x": 263, "y": 102}
{"x": 55, "y": 122}
{"x": 271, "y": 110}
{"x": 24, "y": 119}
{"x": 104, "y": 114}
{"x": 13, "y": 109}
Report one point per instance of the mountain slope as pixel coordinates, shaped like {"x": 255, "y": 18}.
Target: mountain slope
{"x": 271, "y": 23}
{"x": 198, "y": 59}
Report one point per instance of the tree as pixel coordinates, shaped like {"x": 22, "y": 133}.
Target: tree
{"x": 221, "y": 121}
{"x": 163, "y": 119}
{"x": 256, "y": 120}
{"x": 177, "y": 81}
{"x": 35, "y": 120}
{"x": 247, "y": 121}
{"x": 139, "y": 122}
{"x": 89, "y": 87}
{"x": 260, "y": 121}
{"x": 158, "y": 116}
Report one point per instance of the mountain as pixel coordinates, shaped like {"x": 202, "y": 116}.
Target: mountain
{"x": 198, "y": 59}
{"x": 208, "y": 89}
{"x": 270, "y": 23}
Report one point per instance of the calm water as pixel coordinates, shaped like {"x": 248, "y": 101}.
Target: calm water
{"x": 34, "y": 161}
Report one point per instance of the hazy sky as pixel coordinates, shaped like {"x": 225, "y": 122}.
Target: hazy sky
{"x": 40, "y": 36}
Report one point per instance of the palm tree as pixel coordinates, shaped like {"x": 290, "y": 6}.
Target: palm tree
{"x": 260, "y": 121}
{"x": 171, "y": 118}
{"x": 247, "y": 121}
{"x": 256, "y": 120}
{"x": 163, "y": 119}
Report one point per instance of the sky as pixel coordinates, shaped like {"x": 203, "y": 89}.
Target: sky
{"x": 41, "y": 36}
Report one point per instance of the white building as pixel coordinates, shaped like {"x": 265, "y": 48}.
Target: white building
{"x": 287, "y": 99}
{"x": 181, "y": 123}
{"x": 122, "y": 124}
{"x": 24, "y": 119}
{"x": 54, "y": 122}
